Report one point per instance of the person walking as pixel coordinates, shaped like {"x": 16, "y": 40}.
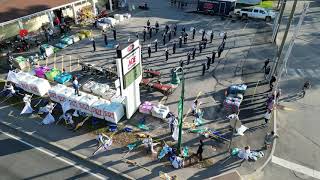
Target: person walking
{"x": 114, "y": 34}
{"x": 213, "y": 56}
{"x": 149, "y": 50}
{"x": 180, "y": 42}
{"x": 156, "y": 45}
{"x": 272, "y": 80}
{"x": 219, "y": 51}
{"x": 306, "y": 85}
{"x": 208, "y": 62}
{"x": 224, "y": 36}
{"x": 188, "y": 57}
{"x": 193, "y": 33}
{"x": 93, "y": 45}
{"x": 167, "y": 54}
{"x": 205, "y": 43}
{"x": 174, "y": 48}
{"x": 194, "y": 52}
{"x": 157, "y": 27}
{"x": 211, "y": 36}
{"x": 200, "y": 150}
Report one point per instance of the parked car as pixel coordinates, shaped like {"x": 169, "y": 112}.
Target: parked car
{"x": 256, "y": 12}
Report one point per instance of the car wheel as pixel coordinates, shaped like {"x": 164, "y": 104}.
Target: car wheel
{"x": 268, "y": 18}
{"x": 244, "y": 16}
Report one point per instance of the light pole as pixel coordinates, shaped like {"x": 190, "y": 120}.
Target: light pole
{"x": 180, "y": 108}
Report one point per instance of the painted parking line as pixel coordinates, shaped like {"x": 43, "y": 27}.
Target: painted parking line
{"x": 296, "y": 167}
{"x": 54, "y": 155}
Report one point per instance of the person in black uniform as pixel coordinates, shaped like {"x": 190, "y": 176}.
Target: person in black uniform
{"x": 181, "y": 63}
{"x": 200, "y": 47}
{"x": 225, "y": 36}
{"x": 213, "y": 57}
{"x": 174, "y": 48}
{"x": 167, "y": 54}
{"x": 194, "y": 52}
{"x": 188, "y": 57}
{"x": 219, "y": 51}
{"x": 93, "y": 45}
{"x": 200, "y": 150}
{"x": 211, "y": 36}
{"x": 203, "y": 68}
{"x": 185, "y": 38}
{"x": 105, "y": 38}
{"x": 167, "y": 28}
{"x": 149, "y": 51}
{"x": 203, "y": 34}
{"x": 208, "y": 62}
{"x": 114, "y": 34}
{"x": 144, "y": 35}
{"x": 169, "y": 36}
{"x": 150, "y": 33}
{"x": 205, "y": 43}
{"x": 193, "y": 33}
{"x": 223, "y": 44}
{"x": 164, "y": 38}
{"x": 180, "y": 42}
{"x": 157, "y": 27}
{"x": 148, "y": 24}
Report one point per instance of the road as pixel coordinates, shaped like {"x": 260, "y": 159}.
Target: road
{"x": 26, "y": 158}
{"x": 297, "y": 151}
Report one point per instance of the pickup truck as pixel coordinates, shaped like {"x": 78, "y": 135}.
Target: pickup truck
{"x": 256, "y": 12}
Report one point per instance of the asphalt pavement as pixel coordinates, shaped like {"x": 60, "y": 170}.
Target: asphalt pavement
{"x": 23, "y": 157}
{"x": 297, "y": 151}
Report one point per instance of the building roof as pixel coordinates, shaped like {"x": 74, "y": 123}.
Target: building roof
{"x": 13, "y": 9}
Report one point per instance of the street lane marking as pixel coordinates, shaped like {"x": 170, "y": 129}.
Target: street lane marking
{"x": 53, "y": 155}
{"x": 296, "y": 167}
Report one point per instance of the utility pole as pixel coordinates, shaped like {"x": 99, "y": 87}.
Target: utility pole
{"x": 278, "y": 20}
{"x": 180, "y": 110}
{"x": 292, "y": 41}
{"x": 275, "y": 69}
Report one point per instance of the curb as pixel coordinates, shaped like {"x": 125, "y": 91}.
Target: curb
{"x": 66, "y": 150}
{"x": 259, "y": 170}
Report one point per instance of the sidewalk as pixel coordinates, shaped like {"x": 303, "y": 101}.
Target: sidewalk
{"x": 246, "y": 49}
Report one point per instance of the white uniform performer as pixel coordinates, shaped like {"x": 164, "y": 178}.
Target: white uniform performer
{"x": 27, "y": 106}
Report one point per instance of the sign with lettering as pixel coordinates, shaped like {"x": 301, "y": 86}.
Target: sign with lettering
{"x": 131, "y": 47}
{"x": 130, "y": 61}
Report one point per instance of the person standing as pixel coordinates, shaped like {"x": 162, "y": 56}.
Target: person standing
{"x": 203, "y": 34}
{"x": 185, "y": 38}
{"x": 167, "y": 28}
{"x": 150, "y": 33}
{"x": 114, "y": 34}
{"x": 211, "y": 36}
{"x": 208, "y": 62}
{"x": 306, "y": 85}
{"x": 203, "y": 68}
{"x": 188, "y": 57}
{"x": 164, "y": 38}
{"x": 224, "y": 36}
{"x": 272, "y": 80}
{"x": 205, "y": 43}
{"x": 157, "y": 27}
{"x": 193, "y": 33}
{"x": 174, "y": 48}
{"x": 180, "y": 42}
{"x": 194, "y": 52}
{"x": 75, "y": 85}
{"x": 181, "y": 63}
{"x": 175, "y": 29}
{"x": 156, "y": 45}
{"x": 200, "y": 47}
{"x": 219, "y": 51}
{"x": 105, "y": 38}
{"x": 266, "y": 63}
{"x": 149, "y": 50}
{"x": 267, "y": 116}
{"x": 167, "y": 54}
{"x": 213, "y": 56}
{"x": 200, "y": 150}
{"x": 144, "y": 35}
{"x": 93, "y": 45}
{"x": 172, "y": 122}
{"x": 148, "y": 24}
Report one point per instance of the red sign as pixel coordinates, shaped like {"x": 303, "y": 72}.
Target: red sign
{"x": 208, "y": 6}
{"x": 109, "y": 115}
{"x": 130, "y": 48}
{"x": 132, "y": 62}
